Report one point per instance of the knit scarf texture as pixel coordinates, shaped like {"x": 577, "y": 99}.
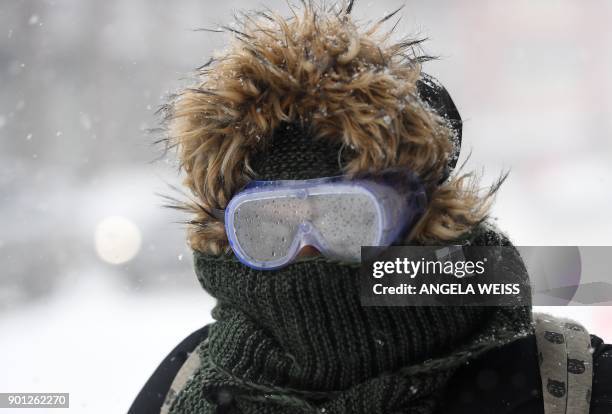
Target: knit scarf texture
{"x": 297, "y": 340}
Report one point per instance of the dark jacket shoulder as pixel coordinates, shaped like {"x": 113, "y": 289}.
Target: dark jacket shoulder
{"x": 153, "y": 393}
{"x": 507, "y": 380}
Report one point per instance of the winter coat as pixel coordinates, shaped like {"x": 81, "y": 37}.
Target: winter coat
{"x": 505, "y": 380}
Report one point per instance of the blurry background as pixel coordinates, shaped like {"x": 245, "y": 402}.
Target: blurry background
{"x": 96, "y": 284}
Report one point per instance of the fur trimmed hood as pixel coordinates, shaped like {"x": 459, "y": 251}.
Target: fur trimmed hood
{"x": 343, "y": 81}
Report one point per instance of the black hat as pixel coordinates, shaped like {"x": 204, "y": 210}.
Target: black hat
{"x": 438, "y": 98}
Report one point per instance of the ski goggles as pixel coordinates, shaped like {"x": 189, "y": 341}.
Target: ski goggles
{"x": 269, "y": 222}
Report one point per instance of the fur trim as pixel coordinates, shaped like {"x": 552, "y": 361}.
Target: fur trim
{"x": 345, "y": 81}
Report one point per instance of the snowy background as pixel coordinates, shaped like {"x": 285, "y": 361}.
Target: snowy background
{"x": 96, "y": 284}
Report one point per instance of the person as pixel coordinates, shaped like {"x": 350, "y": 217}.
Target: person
{"x": 291, "y": 105}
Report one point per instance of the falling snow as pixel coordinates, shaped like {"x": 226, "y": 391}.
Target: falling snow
{"x": 58, "y": 78}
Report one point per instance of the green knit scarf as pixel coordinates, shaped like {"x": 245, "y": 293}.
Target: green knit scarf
{"x": 298, "y": 340}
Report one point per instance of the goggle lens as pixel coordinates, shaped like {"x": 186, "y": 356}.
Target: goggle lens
{"x": 269, "y": 222}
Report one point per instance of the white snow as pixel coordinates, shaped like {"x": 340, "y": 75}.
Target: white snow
{"x": 95, "y": 341}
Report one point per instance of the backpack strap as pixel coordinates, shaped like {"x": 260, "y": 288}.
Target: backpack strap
{"x": 185, "y": 373}
{"x": 566, "y": 364}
